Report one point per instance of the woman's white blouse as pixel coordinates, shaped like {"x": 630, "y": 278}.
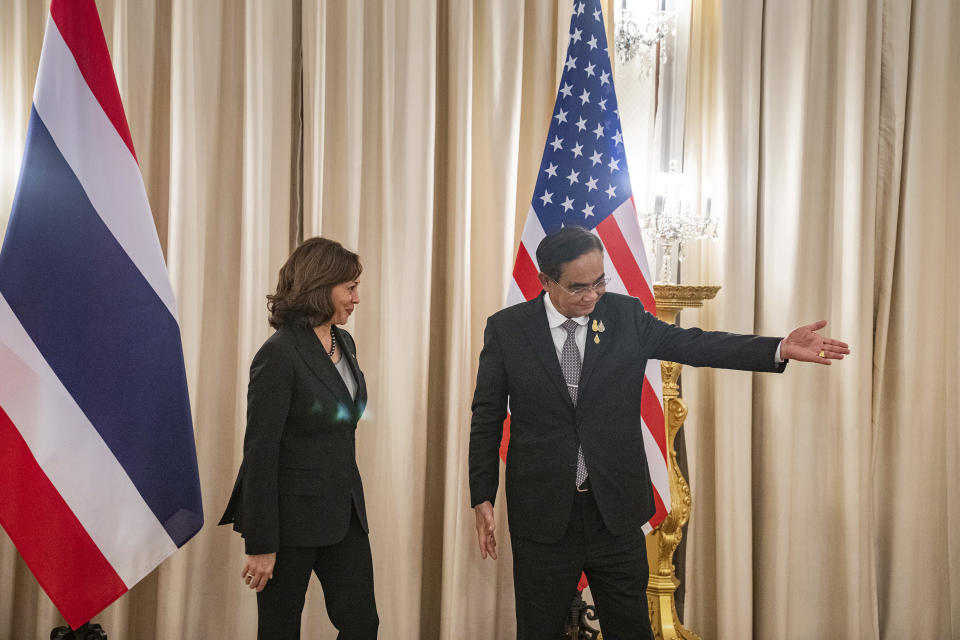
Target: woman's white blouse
{"x": 347, "y": 374}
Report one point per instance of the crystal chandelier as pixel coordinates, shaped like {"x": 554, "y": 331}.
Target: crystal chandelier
{"x": 636, "y": 37}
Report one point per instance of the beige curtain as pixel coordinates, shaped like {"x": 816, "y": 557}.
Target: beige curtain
{"x": 411, "y": 130}
{"x": 826, "y": 500}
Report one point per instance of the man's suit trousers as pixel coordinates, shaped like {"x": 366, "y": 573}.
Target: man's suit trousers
{"x": 545, "y": 577}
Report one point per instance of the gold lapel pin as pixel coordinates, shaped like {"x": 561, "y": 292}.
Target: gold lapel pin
{"x": 597, "y": 328}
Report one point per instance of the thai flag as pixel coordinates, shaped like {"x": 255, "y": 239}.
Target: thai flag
{"x": 583, "y": 180}
{"x": 98, "y": 469}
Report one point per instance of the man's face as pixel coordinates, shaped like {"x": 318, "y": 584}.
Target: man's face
{"x": 580, "y": 285}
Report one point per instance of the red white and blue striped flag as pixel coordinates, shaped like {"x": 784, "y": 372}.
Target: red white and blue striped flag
{"x": 98, "y": 467}
{"x": 583, "y": 180}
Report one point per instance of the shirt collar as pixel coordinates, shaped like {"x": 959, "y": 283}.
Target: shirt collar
{"x": 555, "y": 318}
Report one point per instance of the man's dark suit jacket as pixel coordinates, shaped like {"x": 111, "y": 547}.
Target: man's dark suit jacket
{"x": 299, "y": 479}
{"x": 519, "y": 363}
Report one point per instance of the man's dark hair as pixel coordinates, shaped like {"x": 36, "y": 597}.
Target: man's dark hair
{"x": 563, "y": 246}
{"x": 306, "y": 279}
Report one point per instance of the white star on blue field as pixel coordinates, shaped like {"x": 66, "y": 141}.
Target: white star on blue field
{"x": 583, "y": 175}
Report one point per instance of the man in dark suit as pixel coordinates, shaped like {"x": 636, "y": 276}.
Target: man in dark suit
{"x": 570, "y": 365}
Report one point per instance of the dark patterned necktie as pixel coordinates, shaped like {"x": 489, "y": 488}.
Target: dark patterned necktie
{"x": 570, "y": 365}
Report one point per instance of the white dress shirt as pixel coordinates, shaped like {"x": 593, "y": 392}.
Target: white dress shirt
{"x": 556, "y": 319}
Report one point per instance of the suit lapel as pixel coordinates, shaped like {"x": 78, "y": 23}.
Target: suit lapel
{"x": 597, "y": 342}
{"x": 319, "y": 362}
{"x": 538, "y": 333}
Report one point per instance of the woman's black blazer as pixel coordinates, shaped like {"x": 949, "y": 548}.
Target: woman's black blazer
{"x": 298, "y": 481}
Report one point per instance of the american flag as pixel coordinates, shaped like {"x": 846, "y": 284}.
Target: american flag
{"x": 583, "y": 181}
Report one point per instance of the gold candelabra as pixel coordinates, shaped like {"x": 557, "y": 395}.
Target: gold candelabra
{"x": 663, "y": 541}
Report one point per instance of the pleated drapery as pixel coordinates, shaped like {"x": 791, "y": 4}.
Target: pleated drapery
{"x": 411, "y": 131}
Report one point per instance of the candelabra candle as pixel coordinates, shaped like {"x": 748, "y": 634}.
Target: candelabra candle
{"x": 672, "y": 222}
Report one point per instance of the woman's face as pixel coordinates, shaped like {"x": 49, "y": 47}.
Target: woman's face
{"x": 345, "y": 296}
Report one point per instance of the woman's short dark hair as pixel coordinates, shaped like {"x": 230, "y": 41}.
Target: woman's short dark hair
{"x": 563, "y": 246}
{"x": 306, "y": 279}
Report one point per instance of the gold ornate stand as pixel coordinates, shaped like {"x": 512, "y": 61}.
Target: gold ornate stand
{"x": 663, "y": 541}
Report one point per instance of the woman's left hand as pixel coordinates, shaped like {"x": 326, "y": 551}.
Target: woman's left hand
{"x": 258, "y": 569}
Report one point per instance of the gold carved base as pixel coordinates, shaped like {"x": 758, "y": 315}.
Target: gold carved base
{"x": 664, "y": 540}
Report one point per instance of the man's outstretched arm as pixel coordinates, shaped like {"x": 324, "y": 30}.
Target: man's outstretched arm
{"x": 700, "y": 348}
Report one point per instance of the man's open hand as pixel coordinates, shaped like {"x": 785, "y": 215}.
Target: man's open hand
{"x": 805, "y": 344}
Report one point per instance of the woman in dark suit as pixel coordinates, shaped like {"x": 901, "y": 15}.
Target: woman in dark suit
{"x": 298, "y": 498}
